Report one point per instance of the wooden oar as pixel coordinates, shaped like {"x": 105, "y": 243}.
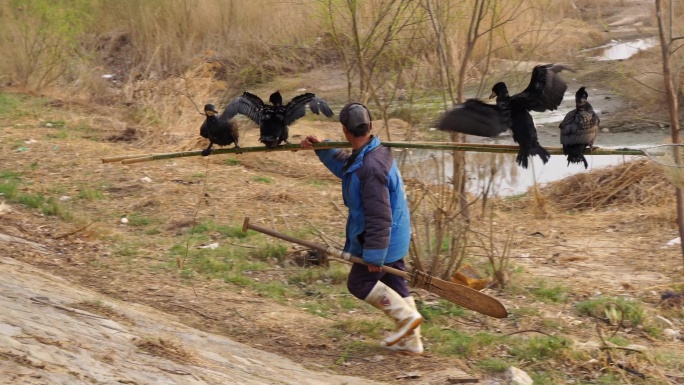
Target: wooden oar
{"x": 453, "y": 292}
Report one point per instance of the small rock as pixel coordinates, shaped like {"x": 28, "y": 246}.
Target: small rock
{"x": 604, "y": 129}
{"x": 672, "y": 334}
{"x": 518, "y": 376}
{"x": 408, "y": 375}
{"x": 146, "y": 179}
{"x": 64, "y": 198}
{"x": 124, "y": 220}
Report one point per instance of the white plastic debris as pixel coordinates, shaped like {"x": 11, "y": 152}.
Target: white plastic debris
{"x": 107, "y": 76}
{"x": 124, "y": 220}
{"x": 146, "y": 179}
{"x": 676, "y": 241}
{"x": 210, "y": 246}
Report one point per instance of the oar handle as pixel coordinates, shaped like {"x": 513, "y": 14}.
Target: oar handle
{"x": 317, "y": 246}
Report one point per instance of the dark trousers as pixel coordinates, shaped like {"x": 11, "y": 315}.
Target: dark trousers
{"x": 360, "y": 281}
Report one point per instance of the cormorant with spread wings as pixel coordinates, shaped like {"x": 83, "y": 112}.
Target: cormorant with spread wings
{"x": 273, "y": 120}
{"x": 474, "y": 117}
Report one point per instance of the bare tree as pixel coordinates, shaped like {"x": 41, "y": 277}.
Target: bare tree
{"x": 668, "y": 46}
{"x": 367, "y": 33}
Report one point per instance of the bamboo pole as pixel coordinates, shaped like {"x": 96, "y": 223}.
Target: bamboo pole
{"x": 474, "y": 147}
{"x": 119, "y": 158}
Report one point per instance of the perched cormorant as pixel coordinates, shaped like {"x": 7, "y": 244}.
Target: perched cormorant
{"x": 579, "y": 129}
{"x": 217, "y": 130}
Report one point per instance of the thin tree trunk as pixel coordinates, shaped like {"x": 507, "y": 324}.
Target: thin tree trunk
{"x": 671, "y": 96}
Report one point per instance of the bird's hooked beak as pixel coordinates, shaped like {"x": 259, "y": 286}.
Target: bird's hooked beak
{"x": 210, "y": 112}
{"x": 493, "y": 95}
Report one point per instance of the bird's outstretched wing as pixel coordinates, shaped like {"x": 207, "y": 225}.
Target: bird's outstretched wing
{"x": 474, "y": 117}
{"x": 246, "y": 104}
{"x": 296, "y": 108}
{"x": 546, "y": 88}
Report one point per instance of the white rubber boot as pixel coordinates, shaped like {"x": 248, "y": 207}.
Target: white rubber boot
{"x": 395, "y": 307}
{"x": 412, "y": 342}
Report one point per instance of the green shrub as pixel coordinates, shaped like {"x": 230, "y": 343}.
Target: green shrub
{"x": 612, "y": 310}
{"x": 549, "y": 293}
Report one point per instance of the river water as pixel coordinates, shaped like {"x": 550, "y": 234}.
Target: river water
{"x": 511, "y": 179}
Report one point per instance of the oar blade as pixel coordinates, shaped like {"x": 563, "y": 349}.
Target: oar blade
{"x": 460, "y": 295}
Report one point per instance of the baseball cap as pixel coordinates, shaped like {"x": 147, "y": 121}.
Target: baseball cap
{"x": 353, "y": 114}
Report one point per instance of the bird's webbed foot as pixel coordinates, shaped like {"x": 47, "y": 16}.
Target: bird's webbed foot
{"x": 207, "y": 150}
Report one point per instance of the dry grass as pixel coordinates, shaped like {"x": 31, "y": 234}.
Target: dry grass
{"x": 636, "y": 184}
{"x": 103, "y": 309}
{"x": 244, "y": 42}
{"x": 167, "y": 349}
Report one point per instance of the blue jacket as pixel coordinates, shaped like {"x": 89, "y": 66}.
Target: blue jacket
{"x": 378, "y": 225}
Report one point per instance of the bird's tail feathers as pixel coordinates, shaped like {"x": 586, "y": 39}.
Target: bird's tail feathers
{"x": 537, "y": 149}
{"x": 578, "y": 159}
{"x": 525, "y": 152}
{"x": 523, "y": 155}
{"x": 575, "y": 155}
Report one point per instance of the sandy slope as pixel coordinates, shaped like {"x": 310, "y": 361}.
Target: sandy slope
{"x": 44, "y": 339}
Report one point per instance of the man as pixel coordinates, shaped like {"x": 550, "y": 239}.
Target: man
{"x": 378, "y": 225}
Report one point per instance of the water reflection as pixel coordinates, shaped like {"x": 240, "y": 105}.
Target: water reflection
{"x": 624, "y": 50}
{"x": 509, "y": 179}
{"x": 557, "y": 115}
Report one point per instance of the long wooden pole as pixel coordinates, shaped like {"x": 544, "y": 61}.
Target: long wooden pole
{"x": 473, "y": 147}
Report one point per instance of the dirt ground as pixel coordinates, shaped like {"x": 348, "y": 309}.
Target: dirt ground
{"x": 615, "y": 251}
{"x": 122, "y": 277}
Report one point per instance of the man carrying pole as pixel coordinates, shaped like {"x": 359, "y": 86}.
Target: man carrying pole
{"x": 378, "y": 225}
